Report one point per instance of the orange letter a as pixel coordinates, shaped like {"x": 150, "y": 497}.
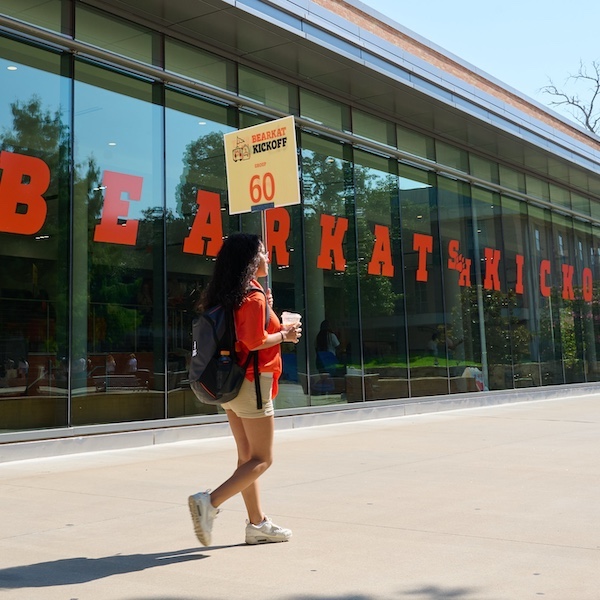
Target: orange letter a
{"x": 381, "y": 261}
{"x": 206, "y": 235}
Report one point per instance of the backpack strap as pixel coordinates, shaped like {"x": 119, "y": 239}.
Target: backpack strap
{"x": 267, "y": 307}
{"x": 257, "y": 382}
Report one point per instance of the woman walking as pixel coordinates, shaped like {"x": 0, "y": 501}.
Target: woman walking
{"x": 240, "y": 261}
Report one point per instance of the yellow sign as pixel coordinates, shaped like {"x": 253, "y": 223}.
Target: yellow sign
{"x": 262, "y": 166}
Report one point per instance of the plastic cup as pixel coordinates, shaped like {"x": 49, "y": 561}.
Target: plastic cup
{"x": 290, "y": 318}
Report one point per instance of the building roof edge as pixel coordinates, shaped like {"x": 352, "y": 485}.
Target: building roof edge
{"x": 480, "y": 79}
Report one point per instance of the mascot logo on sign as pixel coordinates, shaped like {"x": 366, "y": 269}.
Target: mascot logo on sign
{"x": 241, "y": 150}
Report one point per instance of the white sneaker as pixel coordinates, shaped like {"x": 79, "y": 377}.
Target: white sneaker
{"x": 266, "y": 532}
{"x": 203, "y": 514}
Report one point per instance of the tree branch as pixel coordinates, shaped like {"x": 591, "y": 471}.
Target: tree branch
{"x": 585, "y": 111}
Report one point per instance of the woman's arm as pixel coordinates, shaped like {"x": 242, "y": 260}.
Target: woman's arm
{"x": 291, "y": 334}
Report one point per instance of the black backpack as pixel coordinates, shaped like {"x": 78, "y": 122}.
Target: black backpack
{"x": 215, "y": 377}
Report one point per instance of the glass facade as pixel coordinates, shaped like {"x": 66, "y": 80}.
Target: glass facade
{"x": 411, "y": 282}
{"x": 118, "y": 248}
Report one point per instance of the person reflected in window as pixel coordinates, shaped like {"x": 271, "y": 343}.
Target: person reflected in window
{"x": 111, "y": 365}
{"x": 132, "y": 363}
{"x": 326, "y": 346}
{"x": 23, "y": 368}
{"x": 433, "y": 347}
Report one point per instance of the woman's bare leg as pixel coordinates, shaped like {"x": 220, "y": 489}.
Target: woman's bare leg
{"x": 254, "y": 441}
{"x": 251, "y": 494}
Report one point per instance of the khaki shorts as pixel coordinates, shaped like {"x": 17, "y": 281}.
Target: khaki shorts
{"x": 244, "y": 404}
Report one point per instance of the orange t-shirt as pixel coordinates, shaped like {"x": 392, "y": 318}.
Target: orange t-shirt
{"x": 251, "y": 332}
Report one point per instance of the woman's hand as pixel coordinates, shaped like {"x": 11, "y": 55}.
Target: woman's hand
{"x": 292, "y": 333}
{"x": 270, "y": 297}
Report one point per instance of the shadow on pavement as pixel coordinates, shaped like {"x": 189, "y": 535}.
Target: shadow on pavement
{"x": 66, "y": 571}
{"x": 433, "y": 592}
{"x": 430, "y": 592}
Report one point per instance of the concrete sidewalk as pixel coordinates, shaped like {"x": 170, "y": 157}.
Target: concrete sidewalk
{"x": 494, "y": 503}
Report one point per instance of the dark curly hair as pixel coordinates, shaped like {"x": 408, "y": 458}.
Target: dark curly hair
{"x": 236, "y": 265}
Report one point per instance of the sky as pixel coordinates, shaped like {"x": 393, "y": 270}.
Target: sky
{"x": 521, "y": 43}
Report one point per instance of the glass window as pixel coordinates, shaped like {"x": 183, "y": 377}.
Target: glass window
{"x": 19, "y": 61}
{"x": 34, "y": 238}
{"x": 490, "y": 277}
{"x": 581, "y": 204}
{"x": 267, "y": 90}
{"x": 458, "y": 341}
{"x": 595, "y": 209}
{"x": 380, "y": 270}
{"x": 568, "y": 326}
{"x": 415, "y": 143}
{"x": 546, "y": 310}
{"x": 43, "y": 14}
{"x": 451, "y": 156}
{"x": 585, "y": 308}
{"x": 512, "y": 179}
{"x": 324, "y": 111}
{"x": 113, "y": 34}
{"x": 283, "y": 234}
{"x": 373, "y": 128}
{"x": 560, "y": 196}
{"x": 249, "y": 119}
{"x": 484, "y": 169}
{"x": 423, "y": 282}
{"x": 118, "y": 337}
{"x": 331, "y": 273}
{"x": 537, "y": 188}
{"x": 594, "y": 264}
{"x": 199, "y": 65}
{"x": 522, "y": 289}
{"x": 197, "y": 220}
